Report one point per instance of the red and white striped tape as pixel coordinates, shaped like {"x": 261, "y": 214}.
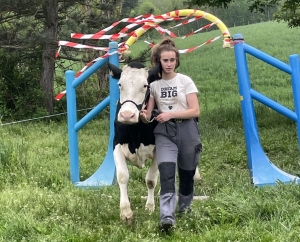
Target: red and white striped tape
{"x": 192, "y": 48}
{"x": 98, "y": 36}
{"x": 93, "y": 61}
{"x": 57, "y": 52}
{"x": 198, "y": 30}
{"x": 162, "y": 31}
{"x": 61, "y": 94}
{"x": 187, "y": 21}
{"x": 80, "y": 46}
{"x": 150, "y": 19}
{"x": 147, "y": 21}
{"x": 196, "y": 47}
{"x": 101, "y": 33}
{"x": 149, "y": 43}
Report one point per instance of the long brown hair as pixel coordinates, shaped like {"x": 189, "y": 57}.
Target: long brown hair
{"x": 165, "y": 45}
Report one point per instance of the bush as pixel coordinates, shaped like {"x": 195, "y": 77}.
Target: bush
{"x": 20, "y": 92}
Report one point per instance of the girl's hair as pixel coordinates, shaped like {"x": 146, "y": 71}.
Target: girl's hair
{"x": 165, "y": 45}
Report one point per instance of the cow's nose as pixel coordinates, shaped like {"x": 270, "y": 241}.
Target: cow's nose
{"x": 127, "y": 115}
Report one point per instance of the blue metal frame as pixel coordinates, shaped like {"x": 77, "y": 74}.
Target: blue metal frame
{"x": 262, "y": 171}
{"x": 105, "y": 175}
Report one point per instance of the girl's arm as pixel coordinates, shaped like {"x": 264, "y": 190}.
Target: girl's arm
{"x": 192, "y": 112}
{"x": 145, "y": 114}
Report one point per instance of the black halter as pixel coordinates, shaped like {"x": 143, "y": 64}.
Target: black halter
{"x": 139, "y": 106}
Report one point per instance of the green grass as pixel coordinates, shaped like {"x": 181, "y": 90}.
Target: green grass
{"x": 39, "y": 203}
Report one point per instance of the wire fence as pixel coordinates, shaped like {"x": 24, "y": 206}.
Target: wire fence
{"x": 43, "y": 117}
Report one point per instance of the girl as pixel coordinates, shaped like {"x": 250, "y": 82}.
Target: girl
{"x": 177, "y": 136}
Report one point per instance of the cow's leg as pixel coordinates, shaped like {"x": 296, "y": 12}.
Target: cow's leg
{"x": 151, "y": 181}
{"x": 126, "y": 213}
{"x": 197, "y": 176}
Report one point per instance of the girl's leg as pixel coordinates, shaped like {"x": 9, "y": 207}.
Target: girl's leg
{"x": 186, "y": 189}
{"x": 166, "y": 155}
{"x": 188, "y": 158}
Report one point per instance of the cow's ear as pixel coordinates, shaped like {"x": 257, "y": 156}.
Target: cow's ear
{"x": 114, "y": 71}
{"x": 155, "y": 73}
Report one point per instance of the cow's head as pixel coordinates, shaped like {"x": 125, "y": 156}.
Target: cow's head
{"x": 134, "y": 80}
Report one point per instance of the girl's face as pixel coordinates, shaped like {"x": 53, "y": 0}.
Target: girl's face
{"x": 168, "y": 61}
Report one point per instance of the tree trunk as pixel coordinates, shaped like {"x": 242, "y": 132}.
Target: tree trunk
{"x": 50, "y": 9}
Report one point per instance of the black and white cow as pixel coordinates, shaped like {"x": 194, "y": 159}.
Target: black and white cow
{"x": 134, "y": 140}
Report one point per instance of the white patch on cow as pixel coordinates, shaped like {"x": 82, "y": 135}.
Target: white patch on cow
{"x": 197, "y": 176}
{"x": 121, "y": 154}
{"x": 122, "y": 177}
{"x": 133, "y": 86}
{"x": 142, "y": 154}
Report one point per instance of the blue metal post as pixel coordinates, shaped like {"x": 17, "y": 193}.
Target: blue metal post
{"x": 90, "y": 115}
{"x": 274, "y": 105}
{"x": 114, "y": 91}
{"x": 267, "y": 58}
{"x": 245, "y": 97}
{"x": 294, "y": 62}
{"x": 72, "y": 119}
{"x": 262, "y": 171}
{"x": 105, "y": 175}
{"x": 90, "y": 71}
{"x": 73, "y": 125}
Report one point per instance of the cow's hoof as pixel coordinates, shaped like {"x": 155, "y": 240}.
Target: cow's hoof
{"x": 197, "y": 176}
{"x": 127, "y": 218}
{"x": 128, "y": 221}
{"x": 197, "y": 179}
{"x": 150, "y": 207}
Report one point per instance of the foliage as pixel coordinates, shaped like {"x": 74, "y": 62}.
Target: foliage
{"x": 25, "y": 35}
{"x": 289, "y": 12}
{"x": 212, "y": 3}
{"x": 237, "y": 13}
{"x": 19, "y": 85}
{"x": 30, "y": 30}
{"x": 128, "y": 6}
{"x": 145, "y": 7}
{"x": 39, "y": 203}
{"x": 165, "y": 6}
{"x": 288, "y": 9}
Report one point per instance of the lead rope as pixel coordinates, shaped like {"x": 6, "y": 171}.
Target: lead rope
{"x": 168, "y": 124}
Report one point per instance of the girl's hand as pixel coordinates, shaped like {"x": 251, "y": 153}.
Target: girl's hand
{"x": 163, "y": 117}
{"x": 143, "y": 116}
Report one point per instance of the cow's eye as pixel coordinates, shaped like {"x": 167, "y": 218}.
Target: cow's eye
{"x": 145, "y": 86}
{"x": 119, "y": 85}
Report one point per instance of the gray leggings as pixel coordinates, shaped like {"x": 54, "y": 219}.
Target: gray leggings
{"x": 176, "y": 144}
{"x": 179, "y": 143}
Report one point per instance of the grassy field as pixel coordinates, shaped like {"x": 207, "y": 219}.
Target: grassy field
{"x": 39, "y": 203}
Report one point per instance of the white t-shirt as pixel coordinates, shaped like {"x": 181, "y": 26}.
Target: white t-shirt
{"x": 170, "y": 95}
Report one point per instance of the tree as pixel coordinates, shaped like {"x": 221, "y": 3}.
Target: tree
{"x": 210, "y": 3}
{"x": 128, "y": 5}
{"x": 168, "y": 5}
{"x": 237, "y": 13}
{"x": 29, "y": 31}
{"x": 147, "y": 7}
{"x": 288, "y": 10}
{"x": 50, "y": 10}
